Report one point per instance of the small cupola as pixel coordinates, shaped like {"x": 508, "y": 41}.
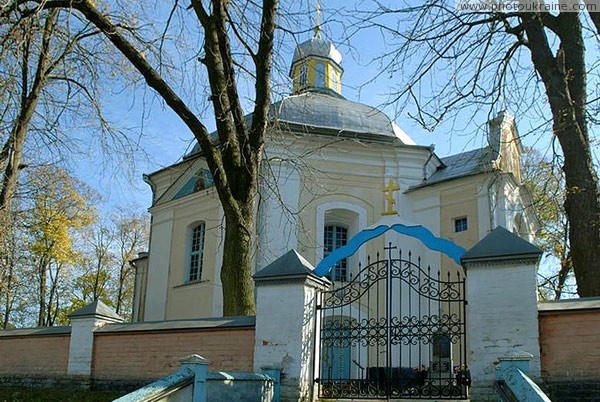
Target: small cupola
{"x": 316, "y": 66}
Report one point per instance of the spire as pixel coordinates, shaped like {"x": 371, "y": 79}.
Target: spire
{"x": 317, "y": 29}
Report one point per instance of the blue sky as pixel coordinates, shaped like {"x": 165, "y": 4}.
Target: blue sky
{"x": 163, "y": 139}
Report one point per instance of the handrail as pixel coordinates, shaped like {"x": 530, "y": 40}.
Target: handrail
{"x": 504, "y": 392}
{"x": 159, "y": 389}
{"x": 171, "y": 390}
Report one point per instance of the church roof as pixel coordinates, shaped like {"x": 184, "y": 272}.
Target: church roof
{"x": 330, "y": 114}
{"x": 319, "y": 47}
{"x": 461, "y": 165}
{"x": 313, "y": 110}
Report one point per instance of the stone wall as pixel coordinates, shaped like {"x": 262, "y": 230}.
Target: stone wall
{"x": 570, "y": 353}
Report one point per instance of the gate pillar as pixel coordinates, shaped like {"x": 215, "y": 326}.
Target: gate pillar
{"x": 286, "y": 324}
{"x": 502, "y": 310}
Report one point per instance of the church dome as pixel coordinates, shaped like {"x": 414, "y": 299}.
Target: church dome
{"x": 315, "y": 112}
{"x": 317, "y": 47}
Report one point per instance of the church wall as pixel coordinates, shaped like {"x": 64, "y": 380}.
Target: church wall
{"x": 158, "y": 268}
{"x": 163, "y": 179}
{"x": 345, "y": 186}
{"x": 276, "y": 225}
{"x": 199, "y": 207}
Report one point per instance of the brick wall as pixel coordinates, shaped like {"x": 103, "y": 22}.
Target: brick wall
{"x": 125, "y": 355}
{"x": 34, "y": 355}
{"x": 570, "y": 349}
{"x": 151, "y": 355}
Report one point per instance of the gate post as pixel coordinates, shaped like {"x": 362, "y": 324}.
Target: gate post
{"x": 286, "y": 323}
{"x": 502, "y": 311}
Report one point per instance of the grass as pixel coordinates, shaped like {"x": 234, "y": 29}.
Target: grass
{"x": 10, "y": 394}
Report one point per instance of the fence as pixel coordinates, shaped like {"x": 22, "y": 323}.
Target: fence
{"x": 569, "y": 339}
{"x": 122, "y": 356}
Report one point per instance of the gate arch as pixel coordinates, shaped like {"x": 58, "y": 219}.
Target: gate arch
{"x": 402, "y": 327}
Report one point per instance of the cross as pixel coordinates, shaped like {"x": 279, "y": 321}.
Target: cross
{"x": 389, "y": 197}
{"x": 318, "y": 21}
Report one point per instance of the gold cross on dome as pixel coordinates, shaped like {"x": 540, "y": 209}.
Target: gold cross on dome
{"x": 389, "y": 197}
{"x": 318, "y": 21}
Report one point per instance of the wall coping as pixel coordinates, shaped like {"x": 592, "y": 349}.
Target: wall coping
{"x": 36, "y": 331}
{"x": 569, "y": 306}
{"x": 205, "y": 324}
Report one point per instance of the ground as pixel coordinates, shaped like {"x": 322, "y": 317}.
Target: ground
{"x": 10, "y": 394}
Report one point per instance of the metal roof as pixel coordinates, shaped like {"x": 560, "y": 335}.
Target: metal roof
{"x": 200, "y": 323}
{"x": 317, "y": 110}
{"x": 289, "y": 264}
{"x": 583, "y": 304}
{"x": 317, "y": 47}
{"x": 96, "y": 309}
{"x": 501, "y": 243}
{"x": 330, "y": 114}
{"x": 461, "y": 165}
{"x": 40, "y": 331}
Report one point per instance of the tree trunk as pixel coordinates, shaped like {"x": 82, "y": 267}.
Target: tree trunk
{"x": 564, "y": 80}
{"x": 42, "y": 293}
{"x": 8, "y": 299}
{"x": 238, "y": 295}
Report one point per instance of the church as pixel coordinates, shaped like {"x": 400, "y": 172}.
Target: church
{"x": 332, "y": 167}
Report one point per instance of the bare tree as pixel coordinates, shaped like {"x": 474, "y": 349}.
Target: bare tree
{"x": 447, "y": 61}
{"x": 546, "y": 183}
{"x": 51, "y": 88}
{"x": 234, "y": 157}
{"x": 131, "y": 236}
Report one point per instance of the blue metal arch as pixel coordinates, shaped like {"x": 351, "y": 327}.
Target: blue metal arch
{"x": 445, "y": 246}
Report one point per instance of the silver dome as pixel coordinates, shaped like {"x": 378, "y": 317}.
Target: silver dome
{"x": 317, "y": 47}
{"x": 317, "y": 110}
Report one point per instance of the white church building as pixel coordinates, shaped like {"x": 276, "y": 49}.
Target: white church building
{"x": 332, "y": 167}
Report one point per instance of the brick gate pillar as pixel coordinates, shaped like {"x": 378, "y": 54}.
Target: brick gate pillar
{"x": 286, "y": 324}
{"x": 502, "y": 311}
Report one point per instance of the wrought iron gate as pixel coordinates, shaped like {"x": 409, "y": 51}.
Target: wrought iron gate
{"x": 396, "y": 330}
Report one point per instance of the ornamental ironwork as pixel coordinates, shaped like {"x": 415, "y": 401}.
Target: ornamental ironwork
{"x": 396, "y": 330}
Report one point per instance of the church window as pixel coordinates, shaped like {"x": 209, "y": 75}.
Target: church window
{"x": 460, "y": 224}
{"x": 196, "y": 252}
{"x": 335, "y": 237}
{"x": 303, "y": 76}
{"x": 320, "y": 75}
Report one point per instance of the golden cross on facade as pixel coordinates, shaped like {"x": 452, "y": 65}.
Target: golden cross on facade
{"x": 389, "y": 197}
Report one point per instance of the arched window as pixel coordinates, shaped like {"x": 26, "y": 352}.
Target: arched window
{"x": 303, "y": 76}
{"x": 320, "y": 75}
{"x": 334, "y": 237}
{"x": 196, "y": 244}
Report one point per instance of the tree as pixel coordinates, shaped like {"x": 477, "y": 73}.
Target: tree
{"x": 50, "y": 83}
{"x": 58, "y": 207}
{"x": 546, "y": 183}
{"x": 234, "y": 159}
{"x": 131, "y": 236}
{"x": 515, "y": 58}
{"x": 103, "y": 271}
